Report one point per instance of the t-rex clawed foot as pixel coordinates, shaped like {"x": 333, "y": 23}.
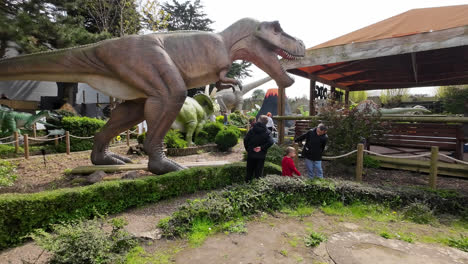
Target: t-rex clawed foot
{"x": 108, "y": 158}
{"x": 163, "y": 165}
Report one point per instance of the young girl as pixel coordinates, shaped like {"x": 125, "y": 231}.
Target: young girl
{"x": 287, "y": 164}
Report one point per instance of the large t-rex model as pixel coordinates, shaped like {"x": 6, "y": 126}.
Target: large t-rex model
{"x": 12, "y": 121}
{"x": 233, "y": 100}
{"x": 153, "y": 72}
{"x": 193, "y": 116}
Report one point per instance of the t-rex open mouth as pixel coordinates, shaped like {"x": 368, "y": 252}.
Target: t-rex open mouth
{"x": 286, "y": 55}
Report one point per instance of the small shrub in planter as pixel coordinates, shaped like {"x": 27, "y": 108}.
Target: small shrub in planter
{"x": 202, "y": 138}
{"x": 174, "y": 139}
{"x": 212, "y": 128}
{"x": 226, "y": 139}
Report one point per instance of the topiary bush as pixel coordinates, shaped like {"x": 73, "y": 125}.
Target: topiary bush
{"x": 202, "y": 138}
{"x": 81, "y": 127}
{"x": 220, "y": 119}
{"x": 275, "y": 154}
{"x": 226, "y": 139}
{"x": 212, "y": 128}
{"x": 234, "y": 129}
{"x": 174, "y": 139}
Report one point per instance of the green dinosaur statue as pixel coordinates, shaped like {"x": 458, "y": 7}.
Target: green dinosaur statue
{"x": 12, "y": 121}
{"x": 193, "y": 116}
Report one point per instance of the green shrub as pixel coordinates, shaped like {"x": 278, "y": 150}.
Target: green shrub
{"x": 220, "y": 119}
{"x": 141, "y": 138}
{"x": 234, "y": 129}
{"x": 453, "y": 98}
{"x": 314, "y": 239}
{"x": 82, "y": 126}
{"x": 419, "y": 213}
{"x": 275, "y": 154}
{"x": 243, "y": 131}
{"x": 174, "y": 139}
{"x": 238, "y": 119}
{"x": 202, "y": 138}
{"x": 86, "y": 242}
{"x": 460, "y": 243}
{"x": 226, "y": 139}
{"x": 212, "y": 128}
{"x": 370, "y": 162}
{"x": 7, "y": 173}
{"x": 22, "y": 213}
{"x": 8, "y": 151}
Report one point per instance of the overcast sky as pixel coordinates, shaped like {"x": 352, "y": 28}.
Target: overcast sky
{"x": 314, "y": 22}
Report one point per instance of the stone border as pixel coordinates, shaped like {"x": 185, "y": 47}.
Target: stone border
{"x": 190, "y": 150}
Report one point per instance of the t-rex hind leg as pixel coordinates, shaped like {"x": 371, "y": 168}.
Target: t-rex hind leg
{"x": 123, "y": 117}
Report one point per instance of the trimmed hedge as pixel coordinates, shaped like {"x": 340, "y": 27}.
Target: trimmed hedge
{"x": 22, "y": 213}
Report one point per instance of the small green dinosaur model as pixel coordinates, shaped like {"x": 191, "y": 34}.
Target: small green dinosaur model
{"x": 12, "y": 121}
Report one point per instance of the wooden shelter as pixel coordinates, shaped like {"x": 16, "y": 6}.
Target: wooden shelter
{"x": 418, "y": 48}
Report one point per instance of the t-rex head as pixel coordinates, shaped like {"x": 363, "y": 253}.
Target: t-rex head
{"x": 261, "y": 43}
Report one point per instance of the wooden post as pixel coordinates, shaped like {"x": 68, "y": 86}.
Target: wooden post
{"x": 26, "y": 146}
{"x": 34, "y": 131}
{"x": 433, "y": 167}
{"x": 128, "y": 138}
{"x": 97, "y": 98}
{"x": 56, "y": 140}
{"x": 312, "y": 97}
{"x": 84, "y": 97}
{"x": 16, "y": 142}
{"x": 347, "y": 98}
{"x": 359, "y": 162}
{"x": 281, "y": 106}
{"x": 67, "y": 142}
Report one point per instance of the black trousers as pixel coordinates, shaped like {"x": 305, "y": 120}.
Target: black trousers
{"x": 254, "y": 169}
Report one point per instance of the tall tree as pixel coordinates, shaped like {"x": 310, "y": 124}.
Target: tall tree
{"x": 187, "y": 16}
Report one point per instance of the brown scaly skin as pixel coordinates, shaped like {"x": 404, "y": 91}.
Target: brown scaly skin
{"x": 153, "y": 72}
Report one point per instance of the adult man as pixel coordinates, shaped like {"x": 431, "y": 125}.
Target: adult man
{"x": 256, "y": 143}
{"x": 316, "y": 139}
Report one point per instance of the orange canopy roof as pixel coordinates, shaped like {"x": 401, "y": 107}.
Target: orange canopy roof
{"x": 412, "y": 22}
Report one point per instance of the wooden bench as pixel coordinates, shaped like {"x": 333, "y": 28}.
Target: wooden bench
{"x": 424, "y": 135}
{"x": 411, "y": 135}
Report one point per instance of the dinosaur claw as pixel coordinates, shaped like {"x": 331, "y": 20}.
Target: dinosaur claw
{"x": 108, "y": 158}
{"x": 164, "y": 165}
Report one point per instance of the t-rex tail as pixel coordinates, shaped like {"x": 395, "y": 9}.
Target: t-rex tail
{"x": 65, "y": 65}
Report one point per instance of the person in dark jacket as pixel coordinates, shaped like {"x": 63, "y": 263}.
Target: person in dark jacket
{"x": 256, "y": 143}
{"x": 316, "y": 139}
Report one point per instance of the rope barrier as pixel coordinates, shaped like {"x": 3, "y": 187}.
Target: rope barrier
{"x": 81, "y": 137}
{"x": 341, "y": 156}
{"x": 6, "y": 137}
{"x": 456, "y": 160}
{"x": 6, "y": 143}
{"x": 398, "y": 157}
{"x": 50, "y": 139}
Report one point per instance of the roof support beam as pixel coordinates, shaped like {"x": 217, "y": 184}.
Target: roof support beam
{"x": 415, "y": 66}
{"x": 316, "y": 78}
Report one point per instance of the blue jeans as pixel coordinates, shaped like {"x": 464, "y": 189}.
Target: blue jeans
{"x": 314, "y": 165}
